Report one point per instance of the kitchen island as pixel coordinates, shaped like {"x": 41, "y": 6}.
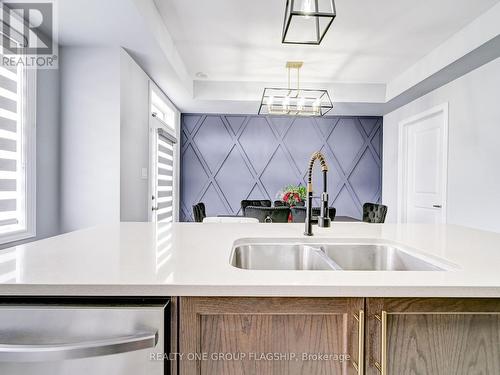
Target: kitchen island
{"x": 141, "y": 259}
{"x": 227, "y": 318}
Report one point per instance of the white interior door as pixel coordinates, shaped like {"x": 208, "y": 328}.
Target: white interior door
{"x": 425, "y": 167}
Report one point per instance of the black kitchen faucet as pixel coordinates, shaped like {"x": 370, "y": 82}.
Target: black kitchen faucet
{"x": 323, "y": 218}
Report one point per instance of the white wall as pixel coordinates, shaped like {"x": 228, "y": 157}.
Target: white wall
{"x": 90, "y": 136}
{"x": 134, "y": 119}
{"x": 474, "y": 147}
{"x": 47, "y": 154}
{"x": 105, "y": 137}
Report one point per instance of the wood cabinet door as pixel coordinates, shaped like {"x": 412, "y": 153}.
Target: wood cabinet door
{"x": 264, "y": 336}
{"x": 433, "y": 336}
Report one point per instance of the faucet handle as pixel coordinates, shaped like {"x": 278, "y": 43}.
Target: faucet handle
{"x": 323, "y": 218}
{"x": 324, "y": 222}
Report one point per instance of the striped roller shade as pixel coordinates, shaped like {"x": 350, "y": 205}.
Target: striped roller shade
{"x": 10, "y": 148}
{"x": 165, "y": 177}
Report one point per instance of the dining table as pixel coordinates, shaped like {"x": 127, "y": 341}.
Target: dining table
{"x": 345, "y": 219}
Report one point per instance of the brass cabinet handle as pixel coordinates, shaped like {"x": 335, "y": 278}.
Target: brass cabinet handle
{"x": 382, "y": 365}
{"x": 359, "y": 365}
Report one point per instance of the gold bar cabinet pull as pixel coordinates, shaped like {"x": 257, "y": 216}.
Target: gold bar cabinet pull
{"x": 382, "y": 365}
{"x": 359, "y": 365}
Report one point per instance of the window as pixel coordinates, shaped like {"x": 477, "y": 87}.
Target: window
{"x": 164, "y": 177}
{"x": 162, "y": 110}
{"x": 17, "y": 153}
{"x": 164, "y": 160}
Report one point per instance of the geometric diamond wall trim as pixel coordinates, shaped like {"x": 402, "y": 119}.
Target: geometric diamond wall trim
{"x": 234, "y": 179}
{"x": 227, "y": 158}
{"x": 235, "y": 122}
{"x": 346, "y": 141}
{"x": 277, "y": 173}
{"x": 368, "y": 124}
{"x": 190, "y": 123}
{"x": 258, "y": 142}
{"x": 212, "y": 132}
{"x": 303, "y": 142}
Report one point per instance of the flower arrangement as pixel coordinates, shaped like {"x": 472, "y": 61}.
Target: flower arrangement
{"x": 293, "y": 195}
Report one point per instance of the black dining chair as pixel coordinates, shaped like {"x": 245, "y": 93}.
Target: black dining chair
{"x": 199, "y": 212}
{"x": 280, "y": 204}
{"x": 284, "y": 204}
{"x": 254, "y": 203}
{"x": 299, "y": 214}
{"x": 268, "y": 214}
{"x": 374, "y": 213}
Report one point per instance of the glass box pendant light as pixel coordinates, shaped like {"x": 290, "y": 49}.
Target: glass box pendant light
{"x": 295, "y": 101}
{"x": 307, "y": 21}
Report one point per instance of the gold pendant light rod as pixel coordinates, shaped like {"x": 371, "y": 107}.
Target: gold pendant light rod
{"x": 294, "y": 65}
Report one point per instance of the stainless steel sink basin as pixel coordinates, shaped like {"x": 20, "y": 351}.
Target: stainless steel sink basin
{"x": 333, "y": 255}
{"x": 375, "y": 257}
{"x": 280, "y": 257}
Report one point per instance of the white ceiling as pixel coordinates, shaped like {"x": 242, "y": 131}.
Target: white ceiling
{"x": 375, "y": 47}
{"x": 371, "y": 41}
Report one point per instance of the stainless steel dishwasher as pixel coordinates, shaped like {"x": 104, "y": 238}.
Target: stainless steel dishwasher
{"x": 90, "y": 338}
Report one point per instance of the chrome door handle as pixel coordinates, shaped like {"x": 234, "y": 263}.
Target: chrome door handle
{"x": 85, "y": 349}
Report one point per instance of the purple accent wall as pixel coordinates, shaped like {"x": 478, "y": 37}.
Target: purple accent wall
{"x": 227, "y": 158}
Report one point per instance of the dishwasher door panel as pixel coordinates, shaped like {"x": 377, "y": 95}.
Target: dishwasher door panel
{"x": 81, "y": 340}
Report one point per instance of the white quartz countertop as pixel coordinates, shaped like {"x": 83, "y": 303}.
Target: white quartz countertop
{"x": 141, "y": 259}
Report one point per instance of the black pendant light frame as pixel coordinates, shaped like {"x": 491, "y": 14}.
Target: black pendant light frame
{"x": 295, "y": 101}
{"x": 317, "y": 15}
{"x": 325, "y": 103}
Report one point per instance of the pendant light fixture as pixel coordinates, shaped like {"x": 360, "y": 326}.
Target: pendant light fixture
{"x": 307, "y": 21}
{"x": 295, "y": 101}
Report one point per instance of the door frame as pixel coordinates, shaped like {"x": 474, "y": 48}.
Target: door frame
{"x": 154, "y": 125}
{"x": 403, "y": 127}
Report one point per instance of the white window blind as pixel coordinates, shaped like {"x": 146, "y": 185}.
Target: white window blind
{"x": 11, "y": 187}
{"x": 16, "y": 201}
{"x": 164, "y": 205}
{"x": 164, "y": 157}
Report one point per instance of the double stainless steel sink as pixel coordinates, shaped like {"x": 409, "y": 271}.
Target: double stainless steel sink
{"x": 332, "y": 255}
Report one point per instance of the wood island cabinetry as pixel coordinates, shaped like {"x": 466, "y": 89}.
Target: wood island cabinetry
{"x": 271, "y": 335}
{"x": 432, "y": 336}
{"x": 372, "y": 336}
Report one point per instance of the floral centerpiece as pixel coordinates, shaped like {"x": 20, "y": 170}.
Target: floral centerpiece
{"x": 293, "y": 195}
